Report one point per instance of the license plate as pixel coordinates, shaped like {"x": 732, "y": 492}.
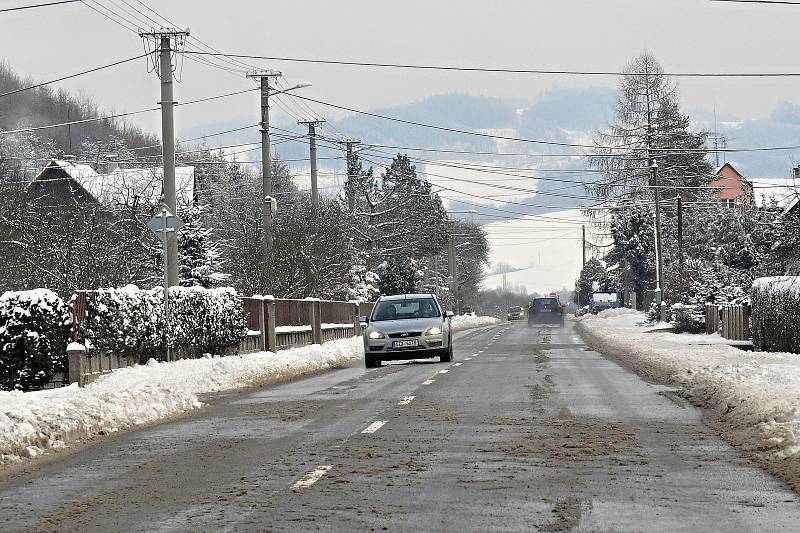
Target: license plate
{"x": 404, "y": 344}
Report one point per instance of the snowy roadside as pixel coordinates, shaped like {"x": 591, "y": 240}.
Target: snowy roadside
{"x": 754, "y": 398}
{"x": 462, "y": 322}
{"x": 33, "y": 422}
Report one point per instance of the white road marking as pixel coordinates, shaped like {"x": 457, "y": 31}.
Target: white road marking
{"x": 443, "y": 371}
{"x": 467, "y": 358}
{"x": 457, "y": 364}
{"x": 480, "y": 351}
{"x": 406, "y": 400}
{"x": 312, "y": 477}
{"x": 428, "y": 381}
{"x": 375, "y": 426}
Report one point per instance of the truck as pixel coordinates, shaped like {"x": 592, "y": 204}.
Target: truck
{"x": 602, "y": 301}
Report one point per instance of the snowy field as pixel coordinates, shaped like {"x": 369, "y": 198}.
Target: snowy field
{"x": 34, "y": 422}
{"x": 753, "y": 397}
{"x": 548, "y": 250}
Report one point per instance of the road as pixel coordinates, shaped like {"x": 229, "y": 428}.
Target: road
{"x": 526, "y": 430}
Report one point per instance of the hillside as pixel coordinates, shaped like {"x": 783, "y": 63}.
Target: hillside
{"x": 44, "y": 105}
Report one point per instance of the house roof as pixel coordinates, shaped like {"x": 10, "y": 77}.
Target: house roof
{"x": 122, "y": 186}
{"x": 55, "y": 186}
{"x": 719, "y": 169}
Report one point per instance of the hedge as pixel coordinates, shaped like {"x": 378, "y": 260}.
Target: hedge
{"x": 130, "y": 321}
{"x": 775, "y": 317}
{"x": 34, "y": 327}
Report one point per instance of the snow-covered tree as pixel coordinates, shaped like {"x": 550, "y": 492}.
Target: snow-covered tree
{"x": 200, "y": 258}
{"x": 593, "y": 272}
{"x": 399, "y": 275}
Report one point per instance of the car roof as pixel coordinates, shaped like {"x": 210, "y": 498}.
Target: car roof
{"x": 396, "y": 297}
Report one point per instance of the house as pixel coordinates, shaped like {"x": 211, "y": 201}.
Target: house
{"x": 733, "y": 188}
{"x": 64, "y": 182}
{"x": 57, "y": 185}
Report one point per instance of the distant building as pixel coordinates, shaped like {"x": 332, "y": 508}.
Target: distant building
{"x": 66, "y": 182}
{"x": 733, "y": 188}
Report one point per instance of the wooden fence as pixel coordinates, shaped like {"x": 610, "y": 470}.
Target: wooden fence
{"x": 272, "y": 324}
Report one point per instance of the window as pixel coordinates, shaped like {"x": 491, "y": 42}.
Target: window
{"x": 402, "y": 309}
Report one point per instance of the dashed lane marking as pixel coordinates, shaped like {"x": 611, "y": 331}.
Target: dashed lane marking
{"x": 428, "y": 381}
{"x": 457, "y": 364}
{"x": 406, "y": 400}
{"x": 312, "y": 477}
{"x": 444, "y": 371}
{"x": 375, "y": 426}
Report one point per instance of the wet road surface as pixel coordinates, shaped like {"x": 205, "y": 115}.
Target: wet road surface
{"x": 525, "y": 430}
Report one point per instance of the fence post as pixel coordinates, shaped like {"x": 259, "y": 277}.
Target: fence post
{"x": 315, "y": 318}
{"x": 271, "y": 338}
{"x": 262, "y": 324}
{"x": 746, "y": 333}
{"x": 356, "y": 318}
{"x": 76, "y": 354}
{"x": 709, "y": 319}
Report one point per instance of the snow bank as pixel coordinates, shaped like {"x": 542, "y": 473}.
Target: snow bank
{"x": 462, "y": 322}
{"x": 32, "y": 422}
{"x": 754, "y": 397}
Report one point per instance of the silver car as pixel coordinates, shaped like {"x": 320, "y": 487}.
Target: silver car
{"x": 407, "y": 326}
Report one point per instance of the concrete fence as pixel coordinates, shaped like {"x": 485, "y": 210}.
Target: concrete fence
{"x": 272, "y": 324}
{"x": 732, "y": 322}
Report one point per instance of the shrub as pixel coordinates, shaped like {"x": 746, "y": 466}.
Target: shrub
{"x": 776, "y": 314}
{"x": 205, "y": 320}
{"x": 34, "y": 329}
{"x": 127, "y": 321}
{"x": 130, "y": 321}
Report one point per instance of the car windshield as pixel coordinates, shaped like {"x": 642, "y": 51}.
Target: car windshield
{"x": 545, "y": 303}
{"x": 513, "y": 309}
{"x": 403, "y": 309}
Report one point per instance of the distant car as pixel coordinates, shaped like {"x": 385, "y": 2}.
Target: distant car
{"x": 467, "y": 310}
{"x": 407, "y": 326}
{"x": 515, "y": 313}
{"x": 546, "y": 311}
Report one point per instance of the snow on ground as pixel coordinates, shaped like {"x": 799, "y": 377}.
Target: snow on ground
{"x": 754, "y": 396}
{"x": 462, "y": 322}
{"x": 33, "y": 422}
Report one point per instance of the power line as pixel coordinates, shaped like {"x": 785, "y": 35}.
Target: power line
{"x": 95, "y": 69}
{"x": 505, "y": 70}
{"x": 777, "y": 2}
{"x": 32, "y": 6}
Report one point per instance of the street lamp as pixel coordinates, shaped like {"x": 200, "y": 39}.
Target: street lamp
{"x": 301, "y": 85}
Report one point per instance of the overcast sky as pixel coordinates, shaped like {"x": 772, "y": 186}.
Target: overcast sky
{"x": 686, "y": 35}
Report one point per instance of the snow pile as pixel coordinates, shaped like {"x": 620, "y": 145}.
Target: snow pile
{"x": 755, "y": 397}
{"x": 36, "y": 421}
{"x": 461, "y": 322}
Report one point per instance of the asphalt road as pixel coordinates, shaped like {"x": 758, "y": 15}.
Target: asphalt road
{"x": 526, "y": 430}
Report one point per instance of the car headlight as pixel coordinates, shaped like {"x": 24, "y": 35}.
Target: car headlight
{"x": 433, "y": 330}
{"x": 376, "y": 335}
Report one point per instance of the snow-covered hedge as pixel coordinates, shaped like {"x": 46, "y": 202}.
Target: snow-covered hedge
{"x": 127, "y": 321}
{"x": 776, "y": 314}
{"x": 34, "y": 328}
{"x": 130, "y": 321}
{"x": 206, "y": 320}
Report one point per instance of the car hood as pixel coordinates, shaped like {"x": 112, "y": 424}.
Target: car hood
{"x": 408, "y": 324}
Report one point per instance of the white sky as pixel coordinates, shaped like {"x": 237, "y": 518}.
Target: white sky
{"x": 686, "y": 35}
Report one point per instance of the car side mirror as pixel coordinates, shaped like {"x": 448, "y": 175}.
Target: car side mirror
{"x": 449, "y": 314}
{"x": 364, "y": 319}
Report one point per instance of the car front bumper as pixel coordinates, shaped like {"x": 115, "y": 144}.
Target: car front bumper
{"x": 428, "y": 346}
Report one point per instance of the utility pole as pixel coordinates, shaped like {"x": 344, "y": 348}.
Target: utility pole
{"x": 659, "y": 296}
{"x": 583, "y": 243}
{"x": 680, "y": 230}
{"x": 451, "y": 266}
{"x": 166, "y": 41}
{"x": 264, "y": 77}
{"x": 312, "y": 141}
